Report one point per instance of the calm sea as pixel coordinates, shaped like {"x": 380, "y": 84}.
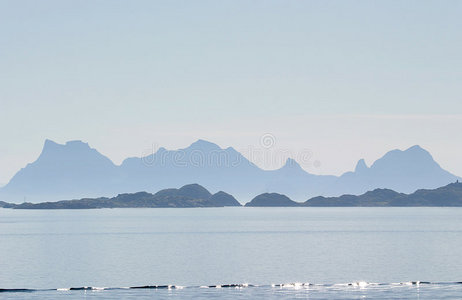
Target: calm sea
{"x": 257, "y": 253}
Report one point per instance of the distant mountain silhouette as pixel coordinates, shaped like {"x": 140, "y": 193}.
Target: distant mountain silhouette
{"x": 75, "y": 170}
{"x": 63, "y": 171}
{"x": 403, "y": 171}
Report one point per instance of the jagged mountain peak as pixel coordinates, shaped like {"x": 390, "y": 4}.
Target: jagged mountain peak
{"x": 361, "y": 166}
{"x": 416, "y": 148}
{"x": 75, "y": 152}
{"x": 50, "y": 143}
{"x": 291, "y": 164}
{"x": 293, "y": 168}
{"x": 402, "y": 159}
{"x": 50, "y": 146}
{"x": 75, "y": 145}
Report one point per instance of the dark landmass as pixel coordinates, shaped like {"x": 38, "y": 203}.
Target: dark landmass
{"x": 272, "y": 199}
{"x": 224, "y": 199}
{"x": 6, "y": 204}
{"x": 192, "y": 195}
{"x": 449, "y": 195}
{"x": 377, "y": 197}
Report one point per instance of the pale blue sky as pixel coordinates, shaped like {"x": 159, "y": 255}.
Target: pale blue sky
{"x": 346, "y": 79}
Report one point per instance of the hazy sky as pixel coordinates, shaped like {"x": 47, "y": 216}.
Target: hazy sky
{"x": 344, "y": 79}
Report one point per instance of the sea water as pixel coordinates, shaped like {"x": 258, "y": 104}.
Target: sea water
{"x": 257, "y": 253}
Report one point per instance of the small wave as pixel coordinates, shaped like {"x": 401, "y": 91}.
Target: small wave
{"x": 290, "y": 285}
{"x": 155, "y": 287}
{"x": 360, "y": 284}
{"x": 420, "y": 282}
{"x": 83, "y": 288}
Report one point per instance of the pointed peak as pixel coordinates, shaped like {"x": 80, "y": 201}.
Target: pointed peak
{"x": 416, "y": 152}
{"x": 416, "y": 149}
{"x": 292, "y": 165}
{"x": 50, "y": 146}
{"x": 231, "y": 149}
{"x": 290, "y": 162}
{"x": 361, "y": 166}
{"x": 49, "y": 142}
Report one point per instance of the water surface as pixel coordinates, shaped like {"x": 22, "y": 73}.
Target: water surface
{"x": 48, "y": 249}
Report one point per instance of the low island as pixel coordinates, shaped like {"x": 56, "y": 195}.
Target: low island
{"x": 449, "y": 195}
{"x": 195, "y": 195}
{"x": 191, "y": 195}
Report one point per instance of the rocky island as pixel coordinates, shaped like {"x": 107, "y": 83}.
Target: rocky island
{"x": 195, "y": 195}
{"x": 449, "y": 195}
{"x": 192, "y": 195}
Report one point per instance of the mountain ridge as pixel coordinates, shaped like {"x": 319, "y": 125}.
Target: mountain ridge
{"x": 75, "y": 170}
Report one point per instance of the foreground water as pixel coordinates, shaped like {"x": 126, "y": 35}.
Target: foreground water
{"x": 379, "y": 251}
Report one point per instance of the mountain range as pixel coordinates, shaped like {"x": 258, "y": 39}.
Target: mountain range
{"x": 75, "y": 170}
